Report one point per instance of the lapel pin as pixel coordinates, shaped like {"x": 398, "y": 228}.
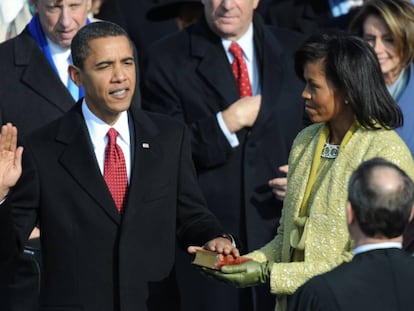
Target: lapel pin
{"x": 145, "y": 145}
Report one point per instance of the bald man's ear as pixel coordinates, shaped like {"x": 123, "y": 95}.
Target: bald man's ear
{"x": 411, "y": 214}
{"x": 350, "y": 215}
{"x": 74, "y": 74}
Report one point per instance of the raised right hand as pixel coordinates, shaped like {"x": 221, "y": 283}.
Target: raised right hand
{"x": 10, "y": 159}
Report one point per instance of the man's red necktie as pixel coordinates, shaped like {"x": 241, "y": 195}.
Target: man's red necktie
{"x": 115, "y": 173}
{"x": 240, "y": 70}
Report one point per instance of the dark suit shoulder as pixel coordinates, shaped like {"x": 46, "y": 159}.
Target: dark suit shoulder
{"x": 285, "y": 33}
{"x": 286, "y": 38}
{"x": 170, "y": 45}
{"x": 73, "y": 120}
{"x": 363, "y": 263}
{"x": 182, "y": 44}
{"x": 70, "y": 122}
{"x": 18, "y": 51}
{"x": 32, "y": 92}
{"x": 315, "y": 294}
{"x": 168, "y": 53}
{"x": 7, "y": 46}
{"x": 162, "y": 120}
{"x": 283, "y": 37}
{"x": 349, "y": 285}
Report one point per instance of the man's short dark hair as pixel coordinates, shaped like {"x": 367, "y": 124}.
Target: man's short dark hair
{"x": 101, "y": 29}
{"x": 380, "y": 212}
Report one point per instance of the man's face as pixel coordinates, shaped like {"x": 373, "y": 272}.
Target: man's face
{"x": 108, "y": 77}
{"x": 61, "y": 19}
{"x": 229, "y": 19}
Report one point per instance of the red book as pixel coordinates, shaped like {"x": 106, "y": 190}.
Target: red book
{"x": 212, "y": 260}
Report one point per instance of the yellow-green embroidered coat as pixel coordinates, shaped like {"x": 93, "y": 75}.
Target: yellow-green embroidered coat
{"x": 325, "y": 239}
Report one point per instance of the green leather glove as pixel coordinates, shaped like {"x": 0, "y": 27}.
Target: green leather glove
{"x": 247, "y": 274}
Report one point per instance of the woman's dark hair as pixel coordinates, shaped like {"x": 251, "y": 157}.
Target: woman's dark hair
{"x": 351, "y": 66}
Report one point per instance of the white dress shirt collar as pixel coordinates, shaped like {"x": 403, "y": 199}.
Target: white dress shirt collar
{"x": 245, "y": 42}
{"x": 60, "y": 57}
{"x": 369, "y": 247}
{"x": 98, "y": 130}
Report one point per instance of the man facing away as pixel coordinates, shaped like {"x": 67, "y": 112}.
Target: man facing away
{"x": 112, "y": 188}
{"x": 379, "y": 277}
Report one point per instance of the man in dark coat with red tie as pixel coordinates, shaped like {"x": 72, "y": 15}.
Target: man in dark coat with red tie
{"x": 238, "y": 143}
{"x": 98, "y": 257}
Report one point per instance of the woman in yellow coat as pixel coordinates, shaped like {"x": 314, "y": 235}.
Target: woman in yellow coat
{"x": 354, "y": 115}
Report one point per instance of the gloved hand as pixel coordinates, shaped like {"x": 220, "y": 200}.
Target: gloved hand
{"x": 247, "y": 274}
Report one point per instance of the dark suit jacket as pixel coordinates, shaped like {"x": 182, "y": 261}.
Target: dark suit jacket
{"x": 301, "y": 15}
{"x": 188, "y": 76}
{"x": 131, "y": 15}
{"x": 32, "y": 95}
{"x": 94, "y": 259}
{"x": 408, "y": 238}
{"x": 8, "y": 252}
{"x": 31, "y": 92}
{"x": 379, "y": 280}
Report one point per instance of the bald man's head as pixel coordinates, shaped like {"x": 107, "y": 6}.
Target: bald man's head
{"x": 381, "y": 196}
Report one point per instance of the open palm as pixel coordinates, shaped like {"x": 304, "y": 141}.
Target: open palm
{"x": 10, "y": 158}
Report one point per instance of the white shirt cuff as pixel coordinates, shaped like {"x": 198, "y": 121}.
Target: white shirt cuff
{"x": 231, "y": 137}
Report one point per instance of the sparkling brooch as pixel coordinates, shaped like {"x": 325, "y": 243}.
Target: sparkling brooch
{"x": 330, "y": 151}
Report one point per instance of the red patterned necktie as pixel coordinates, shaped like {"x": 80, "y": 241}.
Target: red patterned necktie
{"x": 115, "y": 173}
{"x": 240, "y": 70}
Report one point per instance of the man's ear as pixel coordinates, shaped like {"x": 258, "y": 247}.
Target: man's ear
{"x": 411, "y": 214}
{"x": 74, "y": 74}
{"x": 90, "y": 5}
{"x": 35, "y": 5}
{"x": 350, "y": 215}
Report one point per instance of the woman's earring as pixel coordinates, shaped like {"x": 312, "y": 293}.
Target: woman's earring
{"x": 346, "y": 102}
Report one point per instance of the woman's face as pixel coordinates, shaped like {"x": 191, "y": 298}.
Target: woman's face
{"x": 322, "y": 102}
{"x": 378, "y": 35}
